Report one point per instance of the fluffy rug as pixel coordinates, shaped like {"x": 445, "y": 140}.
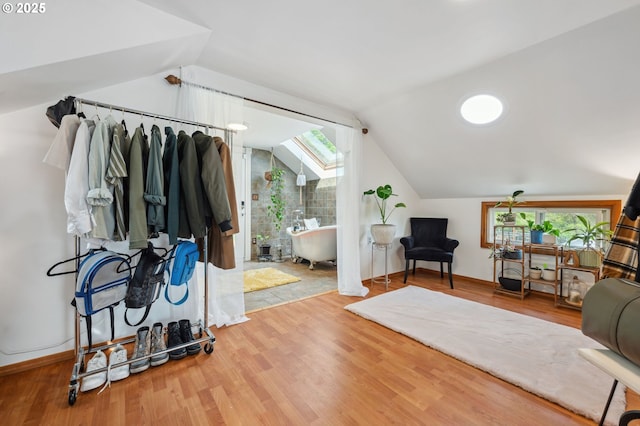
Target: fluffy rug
{"x": 536, "y": 355}
{"x": 259, "y": 279}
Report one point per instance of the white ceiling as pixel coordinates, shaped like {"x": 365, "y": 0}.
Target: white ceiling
{"x": 567, "y": 71}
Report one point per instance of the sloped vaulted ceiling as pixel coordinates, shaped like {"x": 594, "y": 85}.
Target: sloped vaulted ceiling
{"x": 82, "y": 45}
{"x": 567, "y": 71}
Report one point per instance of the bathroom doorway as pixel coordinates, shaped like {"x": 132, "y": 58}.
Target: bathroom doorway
{"x": 274, "y": 140}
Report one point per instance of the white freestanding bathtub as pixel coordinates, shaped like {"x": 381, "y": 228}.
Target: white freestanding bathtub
{"x": 315, "y": 245}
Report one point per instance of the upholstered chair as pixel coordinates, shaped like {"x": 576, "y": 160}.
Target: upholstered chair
{"x": 428, "y": 242}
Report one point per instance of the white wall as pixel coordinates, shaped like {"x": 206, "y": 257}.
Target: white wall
{"x": 376, "y": 170}
{"x": 470, "y": 259}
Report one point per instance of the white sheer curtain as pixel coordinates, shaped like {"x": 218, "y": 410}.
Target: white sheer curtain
{"x": 349, "y": 143}
{"x": 226, "y": 296}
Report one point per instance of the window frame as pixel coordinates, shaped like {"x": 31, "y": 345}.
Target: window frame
{"x": 614, "y": 206}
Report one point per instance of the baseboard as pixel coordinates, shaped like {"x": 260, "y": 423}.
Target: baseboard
{"x": 470, "y": 279}
{"x": 30, "y": 364}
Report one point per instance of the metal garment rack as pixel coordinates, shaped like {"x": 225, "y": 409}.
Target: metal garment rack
{"x": 205, "y": 334}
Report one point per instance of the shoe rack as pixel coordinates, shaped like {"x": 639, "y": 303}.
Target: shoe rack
{"x": 78, "y": 373}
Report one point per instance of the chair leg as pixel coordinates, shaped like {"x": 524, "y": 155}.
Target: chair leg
{"x": 406, "y": 270}
{"x": 450, "y": 276}
{"x": 414, "y": 266}
{"x": 441, "y": 271}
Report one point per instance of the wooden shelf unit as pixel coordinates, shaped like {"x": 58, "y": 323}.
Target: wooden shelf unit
{"x": 514, "y": 236}
{"x": 546, "y": 250}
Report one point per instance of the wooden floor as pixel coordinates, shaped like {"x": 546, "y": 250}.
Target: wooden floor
{"x": 304, "y": 363}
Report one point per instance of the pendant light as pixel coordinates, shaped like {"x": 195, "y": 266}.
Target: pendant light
{"x": 301, "y": 180}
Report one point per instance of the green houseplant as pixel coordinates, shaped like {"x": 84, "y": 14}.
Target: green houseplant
{"x": 383, "y": 233}
{"x": 277, "y": 207}
{"x": 590, "y": 235}
{"x": 539, "y": 229}
{"x": 509, "y": 218}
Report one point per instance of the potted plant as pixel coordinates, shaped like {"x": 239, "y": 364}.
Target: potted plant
{"x": 590, "y": 234}
{"x": 535, "y": 272}
{"x": 383, "y": 233}
{"x": 509, "y": 218}
{"x": 548, "y": 274}
{"x": 264, "y": 248}
{"x": 506, "y": 251}
{"x": 539, "y": 230}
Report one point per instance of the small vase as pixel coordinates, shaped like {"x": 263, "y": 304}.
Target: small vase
{"x": 536, "y": 237}
{"x": 549, "y": 274}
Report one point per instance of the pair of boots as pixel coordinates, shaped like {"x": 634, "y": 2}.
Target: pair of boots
{"x": 179, "y": 333}
{"x": 149, "y": 341}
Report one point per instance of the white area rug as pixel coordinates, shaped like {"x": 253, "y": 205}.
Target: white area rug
{"x": 536, "y": 355}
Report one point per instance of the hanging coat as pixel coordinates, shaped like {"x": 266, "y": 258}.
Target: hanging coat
{"x": 100, "y": 195}
{"x": 191, "y": 215}
{"x": 171, "y": 168}
{"x": 137, "y": 205}
{"x": 217, "y": 209}
{"x": 154, "y": 186}
{"x": 221, "y": 251}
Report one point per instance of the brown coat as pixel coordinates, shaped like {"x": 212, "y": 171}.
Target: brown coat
{"x": 220, "y": 247}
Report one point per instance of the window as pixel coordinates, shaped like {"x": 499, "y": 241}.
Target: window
{"x": 319, "y": 148}
{"x": 561, "y": 213}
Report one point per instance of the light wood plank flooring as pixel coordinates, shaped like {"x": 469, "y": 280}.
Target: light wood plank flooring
{"x": 308, "y": 362}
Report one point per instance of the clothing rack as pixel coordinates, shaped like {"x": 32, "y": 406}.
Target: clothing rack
{"x": 228, "y": 137}
{"x": 152, "y": 115}
{"x": 205, "y": 334}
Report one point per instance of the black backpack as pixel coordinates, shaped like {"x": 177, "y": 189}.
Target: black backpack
{"x": 146, "y": 285}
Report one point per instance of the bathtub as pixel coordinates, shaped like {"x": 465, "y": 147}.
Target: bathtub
{"x": 315, "y": 245}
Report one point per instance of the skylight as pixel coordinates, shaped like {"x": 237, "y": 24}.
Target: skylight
{"x": 315, "y": 144}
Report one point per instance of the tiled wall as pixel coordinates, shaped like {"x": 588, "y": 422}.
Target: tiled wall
{"x": 321, "y": 201}
{"x": 318, "y": 200}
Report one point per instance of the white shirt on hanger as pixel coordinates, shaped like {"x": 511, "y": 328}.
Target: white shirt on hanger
{"x": 77, "y": 183}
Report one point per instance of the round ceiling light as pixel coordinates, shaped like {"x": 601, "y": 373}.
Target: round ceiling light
{"x": 481, "y": 109}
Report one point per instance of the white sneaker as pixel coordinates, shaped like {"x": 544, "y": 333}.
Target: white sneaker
{"x": 118, "y": 355}
{"x": 93, "y": 381}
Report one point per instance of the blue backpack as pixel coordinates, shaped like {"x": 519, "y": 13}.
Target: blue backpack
{"x": 181, "y": 267}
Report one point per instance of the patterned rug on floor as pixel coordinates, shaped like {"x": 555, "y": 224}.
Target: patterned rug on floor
{"x": 536, "y": 355}
{"x": 259, "y": 279}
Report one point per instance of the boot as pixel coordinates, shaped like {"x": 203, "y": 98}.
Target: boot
{"x": 174, "y": 339}
{"x": 157, "y": 345}
{"x": 187, "y": 336}
{"x": 141, "y": 350}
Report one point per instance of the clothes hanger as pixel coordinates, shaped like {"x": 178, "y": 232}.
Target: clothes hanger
{"x": 79, "y": 112}
{"x": 50, "y": 272}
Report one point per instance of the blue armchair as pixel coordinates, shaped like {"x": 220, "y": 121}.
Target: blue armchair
{"x": 428, "y": 241}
